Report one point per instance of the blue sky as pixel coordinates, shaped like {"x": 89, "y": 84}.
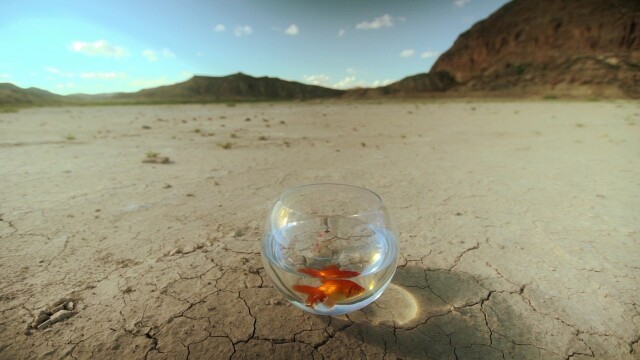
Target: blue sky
{"x": 95, "y": 46}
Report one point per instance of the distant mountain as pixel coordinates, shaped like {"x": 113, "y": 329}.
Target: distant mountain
{"x": 411, "y": 86}
{"x": 12, "y": 95}
{"x": 586, "y": 47}
{"x": 231, "y": 88}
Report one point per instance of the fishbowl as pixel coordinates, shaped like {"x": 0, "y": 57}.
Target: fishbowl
{"x": 330, "y": 249}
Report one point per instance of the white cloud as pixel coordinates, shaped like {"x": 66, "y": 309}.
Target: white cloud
{"x": 292, "y": 30}
{"x": 241, "y": 31}
{"x": 59, "y": 72}
{"x": 319, "y": 79}
{"x": 461, "y": 3}
{"x": 168, "y": 53}
{"x": 348, "y": 81}
{"x": 351, "y": 71}
{"x": 341, "y": 32}
{"x": 150, "y": 55}
{"x": 379, "y": 83}
{"x": 219, "y": 28}
{"x": 103, "y": 75}
{"x": 429, "y": 54}
{"x": 98, "y": 48}
{"x": 407, "y": 53}
{"x": 383, "y": 21}
{"x": 65, "y": 86}
{"x": 153, "y": 55}
{"x": 5, "y": 76}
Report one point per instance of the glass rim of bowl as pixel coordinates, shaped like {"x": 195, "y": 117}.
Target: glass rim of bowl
{"x": 377, "y": 206}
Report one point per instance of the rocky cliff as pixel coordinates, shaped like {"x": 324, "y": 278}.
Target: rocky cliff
{"x": 572, "y": 46}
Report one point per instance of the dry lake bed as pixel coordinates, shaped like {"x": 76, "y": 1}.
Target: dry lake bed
{"x": 133, "y": 232}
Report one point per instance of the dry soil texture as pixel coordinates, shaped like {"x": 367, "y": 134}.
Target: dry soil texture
{"x": 519, "y": 229}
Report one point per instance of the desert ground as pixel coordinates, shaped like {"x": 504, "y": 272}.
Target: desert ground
{"x": 519, "y": 229}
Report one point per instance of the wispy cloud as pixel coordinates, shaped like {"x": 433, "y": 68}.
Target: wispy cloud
{"x": 383, "y": 21}
{"x": 150, "y": 55}
{"x": 98, "y": 48}
{"x": 319, "y": 79}
{"x": 103, "y": 75}
{"x": 153, "y": 55}
{"x": 59, "y": 72}
{"x": 429, "y": 54}
{"x": 219, "y": 28}
{"x": 241, "y": 31}
{"x": 407, "y": 53}
{"x": 167, "y": 53}
{"x": 5, "y": 76}
{"x": 65, "y": 85}
{"x": 341, "y": 32}
{"x": 348, "y": 81}
{"x": 461, "y": 3}
{"x": 379, "y": 83}
{"x": 292, "y": 30}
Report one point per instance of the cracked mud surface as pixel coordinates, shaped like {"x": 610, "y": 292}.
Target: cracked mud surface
{"x": 519, "y": 229}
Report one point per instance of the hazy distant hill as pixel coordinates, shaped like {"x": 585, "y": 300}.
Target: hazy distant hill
{"x": 411, "y": 86}
{"x": 11, "y": 95}
{"x": 233, "y": 87}
{"x": 570, "y": 47}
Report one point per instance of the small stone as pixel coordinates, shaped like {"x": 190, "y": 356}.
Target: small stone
{"x": 39, "y": 320}
{"x": 45, "y": 324}
{"x": 253, "y": 270}
{"x": 187, "y": 250}
{"x": 199, "y": 246}
{"x": 278, "y": 302}
{"x": 69, "y": 306}
{"x": 157, "y": 160}
{"x": 60, "y": 316}
{"x": 27, "y": 332}
{"x": 60, "y": 301}
{"x": 174, "y": 252}
{"x": 238, "y": 233}
{"x": 208, "y": 243}
{"x": 57, "y": 308}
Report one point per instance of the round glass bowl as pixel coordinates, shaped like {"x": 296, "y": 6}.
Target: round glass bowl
{"x": 330, "y": 249}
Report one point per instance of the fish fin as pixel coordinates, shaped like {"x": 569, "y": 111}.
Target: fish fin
{"x": 337, "y": 273}
{"x": 311, "y": 272}
{"x": 329, "y": 302}
{"x": 331, "y": 267}
{"x": 314, "y": 295}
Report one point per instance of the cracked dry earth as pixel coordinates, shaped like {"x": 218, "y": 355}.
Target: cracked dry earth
{"x": 519, "y": 229}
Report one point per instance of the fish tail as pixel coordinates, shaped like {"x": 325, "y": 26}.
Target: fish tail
{"x": 314, "y": 295}
{"x": 311, "y": 272}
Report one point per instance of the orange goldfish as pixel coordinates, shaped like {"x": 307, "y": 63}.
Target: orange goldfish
{"x": 329, "y": 272}
{"x": 330, "y": 292}
{"x": 333, "y": 289}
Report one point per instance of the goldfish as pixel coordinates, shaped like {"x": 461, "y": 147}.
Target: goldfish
{"x": 334, "y": 287}
{"x": 329, "y": 272}
{"x": 330, "y": 292}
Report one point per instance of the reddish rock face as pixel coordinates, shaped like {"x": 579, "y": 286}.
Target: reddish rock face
{"x": 551, "y": 42}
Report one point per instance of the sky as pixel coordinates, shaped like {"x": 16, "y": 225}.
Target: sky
{"x": 100, "y": 46}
